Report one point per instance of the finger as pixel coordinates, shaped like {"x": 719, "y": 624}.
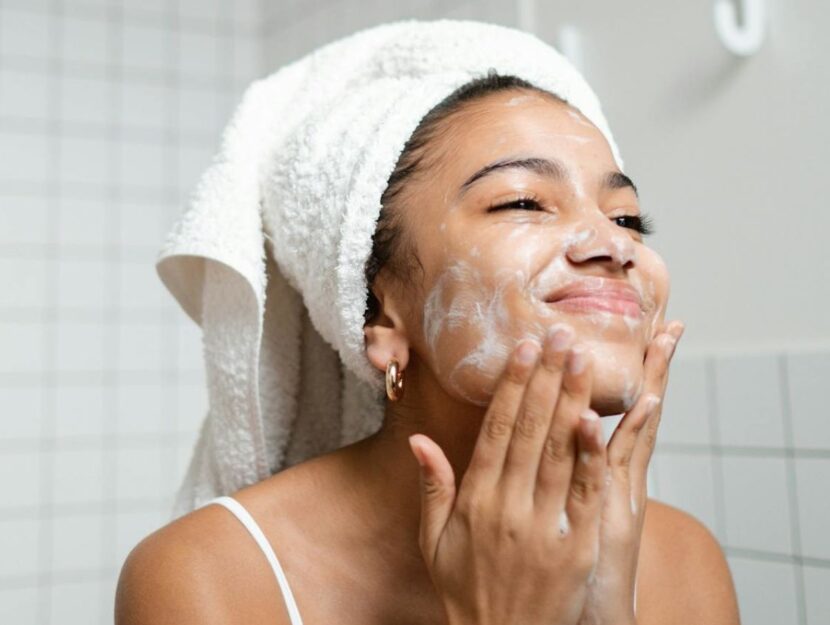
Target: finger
{"x": 588, "y": 481}
{"x": 535, "y": 413}
{"x": 647, "y": 439}
{"x": 487, "y": 459}
{"x": 437, "y": 491}
{"x": 556, "y": 462}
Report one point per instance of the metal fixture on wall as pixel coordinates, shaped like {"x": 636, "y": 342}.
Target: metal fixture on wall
{"x": 742, "y": 39}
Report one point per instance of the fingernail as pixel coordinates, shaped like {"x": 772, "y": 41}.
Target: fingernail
{"x": 577, "y": 360}
{"x": 670, "y": 344}
{"x": 589, "y": 415}
{"x": 527, "y": 352}
{"x": 560, "y": 336}
{"x": 651, "y": 403}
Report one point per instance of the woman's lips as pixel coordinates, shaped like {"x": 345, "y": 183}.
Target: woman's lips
{"x": 594, "y": 303}
{"x": 588, "y": 295}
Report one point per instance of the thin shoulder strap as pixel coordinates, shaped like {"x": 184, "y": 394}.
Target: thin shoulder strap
{"x": 247, "y": 520}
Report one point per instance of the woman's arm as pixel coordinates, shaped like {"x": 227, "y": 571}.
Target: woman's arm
{"x": 684, "y": 576}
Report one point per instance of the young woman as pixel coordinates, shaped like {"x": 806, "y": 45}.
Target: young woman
{"x": 512, "y": 284}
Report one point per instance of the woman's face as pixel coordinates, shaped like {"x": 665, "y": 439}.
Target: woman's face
{"x": 493, "y": 277}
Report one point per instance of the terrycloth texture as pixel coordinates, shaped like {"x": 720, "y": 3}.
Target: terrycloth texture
{"x": 302, "y": 165}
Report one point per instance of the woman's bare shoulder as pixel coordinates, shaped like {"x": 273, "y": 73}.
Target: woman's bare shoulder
{"x": 684, "y": 576}
{"x": 200, "y": 568}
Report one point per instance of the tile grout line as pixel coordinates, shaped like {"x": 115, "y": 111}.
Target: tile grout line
{"x": 46, "y": 459}
{"x": 792, "y": 485}
{"x": 716, "y": 458}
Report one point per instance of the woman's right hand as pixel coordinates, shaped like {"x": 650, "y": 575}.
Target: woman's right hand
{"x": 519, "y": 540}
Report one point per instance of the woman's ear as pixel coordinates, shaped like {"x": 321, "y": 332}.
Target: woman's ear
{"x": 385, "y": 336}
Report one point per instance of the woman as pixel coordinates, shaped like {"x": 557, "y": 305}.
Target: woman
{"x": 511, "y": 283}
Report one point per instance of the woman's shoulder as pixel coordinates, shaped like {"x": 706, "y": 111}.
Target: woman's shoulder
{"x": 202, "y": 567}
{"x": 683, "y": 572}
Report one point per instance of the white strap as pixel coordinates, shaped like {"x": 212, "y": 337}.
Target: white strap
{"x": 248, "y": 521}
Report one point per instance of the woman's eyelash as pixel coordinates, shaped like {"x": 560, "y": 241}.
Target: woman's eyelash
{"x": 642, "y": 223}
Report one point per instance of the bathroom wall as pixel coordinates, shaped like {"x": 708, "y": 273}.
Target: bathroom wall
{"x": 726, "y": 153}
{"x": 109, "y": 110}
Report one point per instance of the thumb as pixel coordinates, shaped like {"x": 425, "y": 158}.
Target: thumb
{"x": 437, "y": 492}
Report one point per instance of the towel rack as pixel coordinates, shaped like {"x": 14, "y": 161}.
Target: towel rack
{"x": 741, "y": 39}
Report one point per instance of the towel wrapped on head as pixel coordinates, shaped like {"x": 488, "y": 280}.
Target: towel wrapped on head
{"x": 269, "y": 258}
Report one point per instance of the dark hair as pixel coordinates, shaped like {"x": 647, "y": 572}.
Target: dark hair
{"x": 391, "y": 246}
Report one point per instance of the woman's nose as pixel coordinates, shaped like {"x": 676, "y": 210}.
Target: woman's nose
{"x": 601, "y": 241}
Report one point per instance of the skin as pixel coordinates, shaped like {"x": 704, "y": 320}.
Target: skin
{"x": 452, "y": 329}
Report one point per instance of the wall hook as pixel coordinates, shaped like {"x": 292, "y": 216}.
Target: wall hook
{"x": 741, "y": 39}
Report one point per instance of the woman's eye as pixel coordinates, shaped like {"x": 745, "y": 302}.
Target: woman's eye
{"x": 522, "y": 203}
{"x": 641, "y": 223}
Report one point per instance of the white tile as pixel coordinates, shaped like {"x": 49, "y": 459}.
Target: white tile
{"x": 86, "y": 100}
{"x": 198, "y": 111}
{"x": 766, "y": 591}
{"x": 193, "y": 161}
{"x": 184, "y": 456}
{"x": 808, "y": 376}
{"x": 812, "y": 479}
{"x": 24, "y": 220}
{"x": 19, "y": 540}
{"x": 198, "y": 55}
{"x": 685, "y": 481}
{"x": 77, "y": 542}
{"x": 83, "y": 284}
{"x": 82, "y": 347}
{"x": 757, "y": 506}
{"x": 26, "y": 34}
{"x": 143, "y": 165}
{"x": 202, "y": 9}
{"x": 139, "y": 409}
{"x": 24, "y": 282}
{"x": 146, "y": 46}
{"x": 22, "y": 347}
{"x": 190, "y": 349}
{"x": 78, "y": 475}
{"x": 145, "y": 105}
{"x": 25, "y": 158}
{"x": 131, "y": 528}
{"x": 140, "y": 287}
{"x": 141, "y": 224}
{"x": 139, "y": 347}
{"x": 22, "y": 413}
{"x": 139, "y": 473}
{"x": 85, "y": 161}
{"x": 20, "y": 479}
{"x": 192, "y": 407}
{"x": 748, "y": 395}
{"x": 685, "y": 411}
{"x": 84, "y": 222}
{"x": 24, "y": 94}
{"x": 79, "y": 411}
{"x": 85, "y": 40}
{"x": 80, "y": 599}
{"x": 18, "y": 605}
{"x": 816, "y": 597}
{"x": 247, "y": 59}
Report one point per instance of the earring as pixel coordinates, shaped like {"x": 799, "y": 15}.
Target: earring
{"x": 394, "y": 380}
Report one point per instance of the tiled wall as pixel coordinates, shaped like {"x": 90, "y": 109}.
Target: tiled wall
{"x": 744, "y": 445}
{"x": 109, "y": 110}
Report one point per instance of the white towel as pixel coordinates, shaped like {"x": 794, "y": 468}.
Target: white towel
{"x": 269, "y": 256}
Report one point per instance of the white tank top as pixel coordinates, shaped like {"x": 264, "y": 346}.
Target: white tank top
{"x": 247, "y": 520}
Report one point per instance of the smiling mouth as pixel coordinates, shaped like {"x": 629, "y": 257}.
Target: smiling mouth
{"x": 594, "y": 303}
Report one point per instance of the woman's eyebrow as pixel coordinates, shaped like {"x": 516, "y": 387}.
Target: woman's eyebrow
{"x": 553, "y": 169}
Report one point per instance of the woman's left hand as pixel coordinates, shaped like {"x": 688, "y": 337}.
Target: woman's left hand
{"x": 611, "y": 587}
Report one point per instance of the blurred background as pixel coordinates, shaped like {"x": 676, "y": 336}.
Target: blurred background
{"x": 110, "y": 110}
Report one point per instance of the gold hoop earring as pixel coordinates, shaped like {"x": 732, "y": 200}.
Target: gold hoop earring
{"x": 394, "y": 380}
